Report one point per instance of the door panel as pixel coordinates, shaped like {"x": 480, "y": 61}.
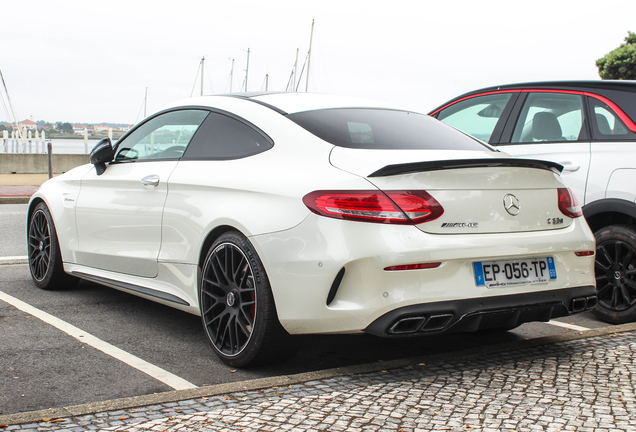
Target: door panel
{"x": 119, "y": 213}
{"x": 119, "y": 217}
{"x": 613, "y": 167}
{"x": 551, "y": 126}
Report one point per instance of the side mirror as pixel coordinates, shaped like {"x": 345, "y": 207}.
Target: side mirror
{"x": 102, "y": 153}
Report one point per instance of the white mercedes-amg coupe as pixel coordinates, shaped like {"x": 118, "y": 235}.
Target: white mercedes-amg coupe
{"x": 277, "y": 214}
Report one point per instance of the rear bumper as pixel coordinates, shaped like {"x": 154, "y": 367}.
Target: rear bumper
{"x": 483, "y": 313}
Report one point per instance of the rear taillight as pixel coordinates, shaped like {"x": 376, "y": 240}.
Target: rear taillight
{"x": 413, "y": 266}
{"x": 393, "y": 207}
{"x": 568, "y": 203}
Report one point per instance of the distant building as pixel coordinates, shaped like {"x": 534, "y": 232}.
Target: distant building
{"x": 79, "y": 129}
{"x": 29, "y": 124}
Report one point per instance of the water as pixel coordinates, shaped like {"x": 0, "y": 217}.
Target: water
{"x": 60, "y": 146}
{"x": 73, "y": 146}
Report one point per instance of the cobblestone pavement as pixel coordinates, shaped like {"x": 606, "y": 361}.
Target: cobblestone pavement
{"x": 580, "y": 385}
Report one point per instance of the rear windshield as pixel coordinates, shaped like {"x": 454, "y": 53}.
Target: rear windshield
{"x": 366, "y": 128}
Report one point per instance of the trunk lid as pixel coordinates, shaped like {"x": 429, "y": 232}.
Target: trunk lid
{"x": 478, "y": 192}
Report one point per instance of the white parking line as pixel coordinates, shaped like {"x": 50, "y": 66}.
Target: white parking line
{"x": 567, "y": 326}
{"x": 13, "y": 258}
{"x": 157, "y": 373}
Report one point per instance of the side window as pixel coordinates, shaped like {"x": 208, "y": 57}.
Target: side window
{"x": 477, "y": 116}
{"x": 163, "y": 137}
{"x": 550, "y": 117}
{"x": 222, "y": 137}
{"x": 607, "y": 126}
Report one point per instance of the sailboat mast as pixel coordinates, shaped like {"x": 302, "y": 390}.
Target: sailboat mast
{"x": 145, "y": 102}
{"x": 247, "y": 68}
{"x": 15, "y": 119}
{"x": 231, "y": 75}
{"x": 202, "y": 67}
{"x": 295, "y": 70}
{"x": 311, "y": 38}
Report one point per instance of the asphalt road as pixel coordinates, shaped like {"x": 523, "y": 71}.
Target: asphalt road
{"x": 44, "y": 367}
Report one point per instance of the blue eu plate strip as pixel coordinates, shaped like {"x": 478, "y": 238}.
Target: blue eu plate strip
{"x": 551, "y": 268}
{"x": 479, "y": 273}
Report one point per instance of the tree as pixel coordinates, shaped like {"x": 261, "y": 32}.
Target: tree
{"x": 64, "y": 127}
{"x": 620, "y": 63}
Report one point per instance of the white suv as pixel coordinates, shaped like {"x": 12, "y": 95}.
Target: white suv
{"x": 589, "y": 128}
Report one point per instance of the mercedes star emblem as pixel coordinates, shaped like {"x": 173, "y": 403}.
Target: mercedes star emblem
{"x": 511, "y": 204}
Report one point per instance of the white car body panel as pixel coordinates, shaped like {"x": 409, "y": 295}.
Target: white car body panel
{"x": 616, "y": 184}
{"x": 469, "y": 196}
{"x": 208, "y": 194}
{"x": 119, "y": 218}
{"x": 302, "y": 273}
{"x": 575, "y": 158}
{"x": 124, "y": 234}
{"x": 610, "y": 166}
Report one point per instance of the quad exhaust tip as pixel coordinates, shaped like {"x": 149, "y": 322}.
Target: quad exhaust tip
{"x": 421, "y": 323}
{"x": 581, "y": 304}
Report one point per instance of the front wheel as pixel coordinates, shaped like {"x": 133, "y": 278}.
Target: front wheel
{"x": 237, "y": 306}
{"x": 615, "y": 271}
{"x": 45, "y": 259}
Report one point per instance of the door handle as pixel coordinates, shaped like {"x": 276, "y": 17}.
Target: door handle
{"x": 567, "y": 166}
{"x": 150, "y": 181}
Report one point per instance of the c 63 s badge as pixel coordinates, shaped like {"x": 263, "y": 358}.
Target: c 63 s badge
{"x": 460, "y": 225}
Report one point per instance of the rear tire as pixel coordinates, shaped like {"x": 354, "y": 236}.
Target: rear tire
{"x": 45, "y": 259}
{"x": 615, "y": 271}
{"x": 237, "y": 306}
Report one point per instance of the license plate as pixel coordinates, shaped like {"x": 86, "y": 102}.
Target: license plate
{"x": 495, "y": 274}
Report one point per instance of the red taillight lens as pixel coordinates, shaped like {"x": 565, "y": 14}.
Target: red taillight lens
{"x": 413, "y": 266}
{"x": 568, "y": 203}
{"x": 394, "y": 207}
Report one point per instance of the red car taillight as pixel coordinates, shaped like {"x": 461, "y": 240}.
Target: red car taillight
{"x": 393, "y": 207}
{"x": 568, "y": 203}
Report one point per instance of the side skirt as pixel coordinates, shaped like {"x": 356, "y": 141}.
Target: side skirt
{"x": 130, "y": 287}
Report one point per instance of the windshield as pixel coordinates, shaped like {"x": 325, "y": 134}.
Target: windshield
{"x": 366, "y": 128}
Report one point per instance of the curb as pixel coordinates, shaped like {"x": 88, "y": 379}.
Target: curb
{"x": 262, "y": 383}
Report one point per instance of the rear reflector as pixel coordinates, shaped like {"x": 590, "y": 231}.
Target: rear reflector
{"x": 568, "y": 203}
{"x": 414, "y": 266}
{"x": 584, "y": 253}
{"x": 392, "y": 207}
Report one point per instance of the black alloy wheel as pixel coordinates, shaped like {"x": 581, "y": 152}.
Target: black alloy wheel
{"x": 615, "y": 270}
{"x": 45, "y": 259}
{"x": 237, "y": 306}
{"x": 39, "y": 245}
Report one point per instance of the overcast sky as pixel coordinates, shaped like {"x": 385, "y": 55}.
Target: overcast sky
{"x": 91, "y": 61}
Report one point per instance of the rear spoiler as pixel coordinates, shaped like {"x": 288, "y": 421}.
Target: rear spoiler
{"x": 414, "y": 167}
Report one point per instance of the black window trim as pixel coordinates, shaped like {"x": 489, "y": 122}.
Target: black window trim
{"x": 146, "y": 120}
{"x": 233, "y": 117}
{"x": 501, "y": 122}
{"x": 593, "y": 126}
{"x": 185, "y": 108}
{"x": 511, "y": 123}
